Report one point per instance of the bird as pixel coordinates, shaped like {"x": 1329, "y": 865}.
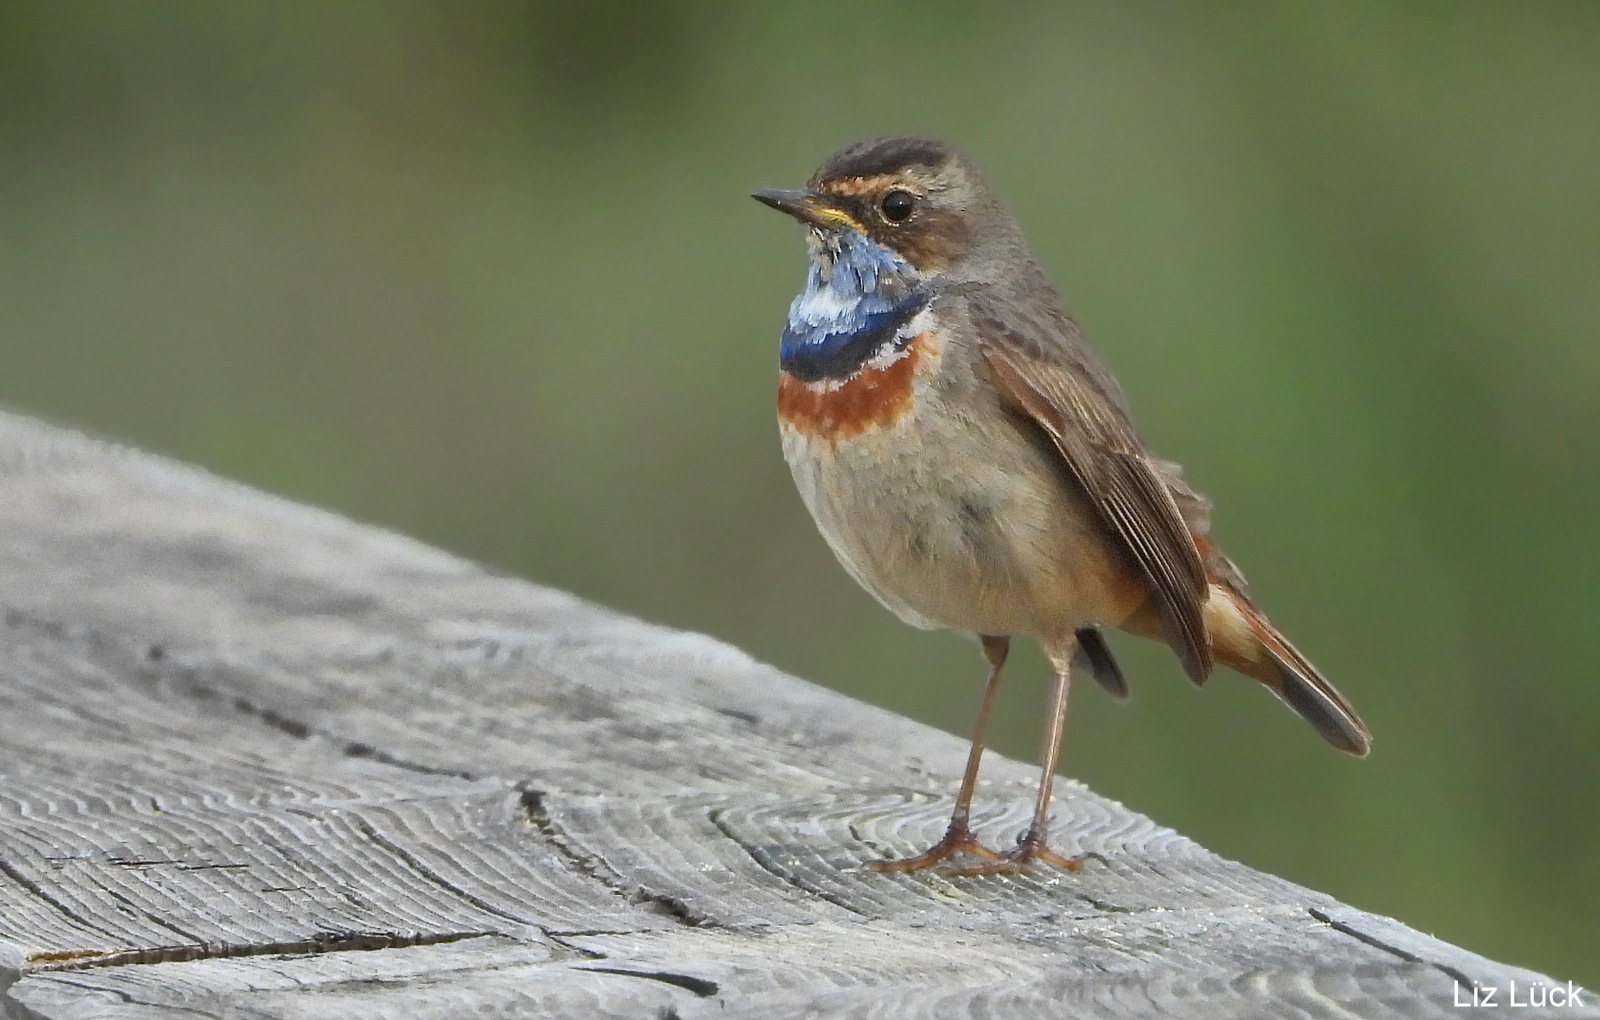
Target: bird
{"x": 974, "y": 465}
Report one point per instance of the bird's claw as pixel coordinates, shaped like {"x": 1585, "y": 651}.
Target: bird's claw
{"x": 960, "y": 840}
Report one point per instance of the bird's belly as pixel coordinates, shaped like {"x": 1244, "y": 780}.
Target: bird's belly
{"x": 961, "y": 522}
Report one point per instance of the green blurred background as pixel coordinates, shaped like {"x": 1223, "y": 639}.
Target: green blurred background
{"x": 485, "y": 272}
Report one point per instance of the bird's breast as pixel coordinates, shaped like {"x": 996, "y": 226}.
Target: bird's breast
{"x": 877, "y": 395}
{"x": 938, "y": 503}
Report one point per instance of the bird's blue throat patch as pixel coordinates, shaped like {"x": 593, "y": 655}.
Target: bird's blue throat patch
{"x": 857, "y": 300}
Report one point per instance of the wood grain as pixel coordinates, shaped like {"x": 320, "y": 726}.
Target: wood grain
{"x": 259, "y": 761}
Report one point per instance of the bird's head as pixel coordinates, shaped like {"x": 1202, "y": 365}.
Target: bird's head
{"x": 917, "y": 200}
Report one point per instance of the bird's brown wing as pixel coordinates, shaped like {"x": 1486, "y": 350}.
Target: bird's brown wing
{"x": 1056, "y": 383}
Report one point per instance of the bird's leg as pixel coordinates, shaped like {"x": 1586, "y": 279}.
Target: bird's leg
{"x": 958, "y": 838}
{"x": 1031, "y": 847}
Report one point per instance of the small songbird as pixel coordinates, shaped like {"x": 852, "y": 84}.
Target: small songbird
{"x": 974, "y": 466}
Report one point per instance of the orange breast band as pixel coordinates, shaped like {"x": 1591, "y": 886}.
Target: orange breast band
{"x": 874, "y": 397}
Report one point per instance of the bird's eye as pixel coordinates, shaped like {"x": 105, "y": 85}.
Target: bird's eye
{"x": 897, "y": 205}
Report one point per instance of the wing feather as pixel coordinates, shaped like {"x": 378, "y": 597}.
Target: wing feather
{"x": 1090, "y": 429}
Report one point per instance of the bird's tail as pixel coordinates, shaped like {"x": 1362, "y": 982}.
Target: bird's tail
{"x": 1243, "y": 638}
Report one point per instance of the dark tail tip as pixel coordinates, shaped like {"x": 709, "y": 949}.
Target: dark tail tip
{"x": 1318, "y": 703}
{"x": 1095, "y": 656}
{"x": 1292, "y": 677}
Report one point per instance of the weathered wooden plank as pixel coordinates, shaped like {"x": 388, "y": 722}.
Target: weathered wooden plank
{"x": 259, "y": 761}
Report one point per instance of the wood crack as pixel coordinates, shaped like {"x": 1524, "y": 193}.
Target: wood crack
{"x": 559, "y": 939}
{"x": 784, "y": 875}
{"x": 159, "y": 922}
{"x": 10, "y": 871}
{"x": 322, "y": 942}
{"x": 156, "y": 660}
{"x": 699, "y": 986}
{"x": 193, "y": 687}
{"x": 595, "y": 867}
{"x": 357, "y": 749}
{"x": 1460, "y": 977}
{"x": 1107, "y": 907}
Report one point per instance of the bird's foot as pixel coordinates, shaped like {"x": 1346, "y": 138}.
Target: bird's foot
{"x": 1030, "y": 850}
{"x": 958, "y": 839}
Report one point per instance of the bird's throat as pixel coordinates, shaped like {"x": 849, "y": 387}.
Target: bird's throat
{"x": 859, "y": 299}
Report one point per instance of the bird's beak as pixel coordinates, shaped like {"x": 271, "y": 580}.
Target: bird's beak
{"x": 807, "y": 207}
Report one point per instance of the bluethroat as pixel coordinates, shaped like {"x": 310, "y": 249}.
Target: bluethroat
{"x": 974, "y": 466}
